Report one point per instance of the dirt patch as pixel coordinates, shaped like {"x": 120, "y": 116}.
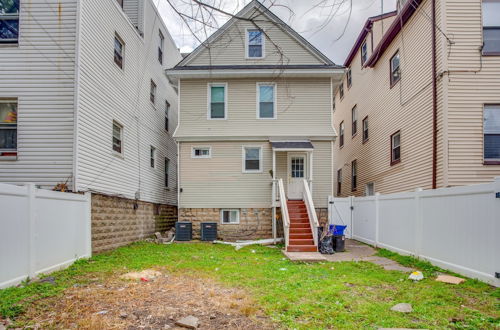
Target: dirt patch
{"x": 154, "y": 304}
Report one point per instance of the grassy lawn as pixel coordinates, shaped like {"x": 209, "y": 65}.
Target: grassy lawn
{"x": 322, "y": 295}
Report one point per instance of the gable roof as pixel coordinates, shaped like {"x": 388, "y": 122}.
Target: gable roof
{"x": 245, "y": 12}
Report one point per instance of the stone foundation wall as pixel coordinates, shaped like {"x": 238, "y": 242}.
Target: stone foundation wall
{"x": 255, "y": 223}
{"x": 119, "y": 221}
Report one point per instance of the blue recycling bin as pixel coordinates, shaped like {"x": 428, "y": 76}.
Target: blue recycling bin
{"x": 337, "y": 230}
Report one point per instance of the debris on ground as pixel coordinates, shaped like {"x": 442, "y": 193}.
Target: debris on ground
{"x": 189, "y": 322}
{"x": 48, "y": 279}
{"x": 240, "y": 244}
{"x": 402, "y": 308}
{"x": 143, "y": 276}
{"x": 102, "y": 313}
{"x": 166, "y": 238}
{"x": 416, "y": 276}
{"x": 449, "y": 279}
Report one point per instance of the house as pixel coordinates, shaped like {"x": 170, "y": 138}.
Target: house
{"x": 414, "y": 113}
{"x": 84, "y": 103}
{"x": 255, "y": 130}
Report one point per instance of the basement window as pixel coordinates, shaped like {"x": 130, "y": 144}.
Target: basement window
{"x": 230, "y": 216}
{"x": 9, "y": 22}
{"x": 8, "y": 128}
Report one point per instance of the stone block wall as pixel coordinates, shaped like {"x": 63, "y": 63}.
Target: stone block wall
{"x": 255, "y": 223}
{"x": 119, "y": 221}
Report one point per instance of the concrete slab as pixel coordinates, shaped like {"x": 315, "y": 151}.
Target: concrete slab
{"x": 304, "y": 256}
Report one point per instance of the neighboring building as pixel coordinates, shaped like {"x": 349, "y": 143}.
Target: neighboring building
{"x": 390, "y": 137}
{"x": 84, "y": 101}
{"x": 255, "y": 107}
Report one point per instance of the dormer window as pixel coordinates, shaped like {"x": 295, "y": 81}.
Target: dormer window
{"x": 255, "y": 43}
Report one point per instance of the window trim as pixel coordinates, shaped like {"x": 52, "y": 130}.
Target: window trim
{"x": 354, "y": 121}
{"x": 483, "y": 27}
{"x": 361, "y": 53}
{"x": 243, "y": 157}
{"x": 161, "y": 46}
{"x": 489, "y": 161}
{"x": 263, "y": 45}
{"x": 339, "y": 181}
{"x": 167, "y": 115}
{"x": 354, "y": 187}
{"x": 393, "y": 83}
{"x": 152, "y": 92}
{"x": 209, "y": 100}
{"x": 397, "y": 161}
{"x": 193, "y": 148}
{"x": 221, "y": 217}
{"x": 11, "y": 154}
{"x": 117, "y": 123}
{"x": 120, "y": 40}
{"x": 363, "y": 129}
{"x": 349, "y": 78}
{"x": 166, "y": 171}
{"x": 366, "y": 188}
{"x": 11, "y": 17}
{"x": 152, "y": 157}
{"x": 341, "y": 90}
{"x": 341, "y": 134}
{"x": 275, "y": 103}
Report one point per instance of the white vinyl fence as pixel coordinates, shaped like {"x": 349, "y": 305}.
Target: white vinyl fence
{"x": 40, "y": 231}
{"x": 454, "y": 228}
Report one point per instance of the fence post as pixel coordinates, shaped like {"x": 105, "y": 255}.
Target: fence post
{"x": 418, "y": 223}
{"x": 377, "y": 219}
{"x": 351, "y": 213}
{"x": 88, "y": 218}
{"x": 496, "y": 207}
{"x": 32, "y": 236}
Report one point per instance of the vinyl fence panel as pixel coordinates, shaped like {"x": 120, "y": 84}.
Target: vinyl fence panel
{"x": 340, "y": 213}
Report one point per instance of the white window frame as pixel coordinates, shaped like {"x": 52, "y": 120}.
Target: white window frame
{"x": 366, "y": 189}
{"x": 243, "y": 158}
{"x": 152, "y": 157}
{"x": 275, "y": 106}
{"x": 209, "y": 100}
{"x": 16, "y": 151}
{"x": 13, "y": 17}
{"x": 115, "y": 122}
{"x": 193, "y": 152}
{"x": 120, "y": 40}
{"x": 263, "y": 45}
{"x": 221, "y": 215}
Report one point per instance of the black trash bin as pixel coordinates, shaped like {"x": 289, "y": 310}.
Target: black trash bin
{"x": 339, "y": 243}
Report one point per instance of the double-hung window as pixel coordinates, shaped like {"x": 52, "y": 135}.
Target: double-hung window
{"x": 152, "y": 92}
{"x": 9, "y": 21}
{"x": 341, "y": 90}
{"x": 354, "y": 119}
{"x": 119, "y": 51}
{"x": 255, "y": 43}
{"x": 8, "y": 127}
{"x": 252, "y": 159}
{"x": 161, "y": 43}
{"x": 266, "y": 94}
{"x": 354, "y": 175}
{"x": 491, "y": 130}
{"x": 167, "y": 113}
{"x": 395, "y": 69}
{"x": 395, "y": 148}
{"x": 201, "y": 152}
{"x": 491, "y": 27}
{"x": 167, "y": 170}
{"x": 152, "y": 156}
{"x": 341, "y": 134}
{"x": 364, "y": 53}
{"x": 217, "y": 101}
{"x": 365, "y": 129}
{"x": 230, "y": 216}
{"x": 117, "y": 138}
{"x": 349, "y": 78}
{"x": 339, "y": 182}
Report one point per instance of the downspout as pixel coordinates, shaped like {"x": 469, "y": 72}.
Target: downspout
{"x": 434, "y": 98}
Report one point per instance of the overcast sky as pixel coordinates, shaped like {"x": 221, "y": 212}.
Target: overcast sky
{"x": 317, "y": 25}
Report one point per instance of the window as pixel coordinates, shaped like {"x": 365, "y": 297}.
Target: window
{"x": 8, "y": 128}
{"x": 117, "y": 137}
{"x": 9, "y": 21}
{"x": 255, "y": 43}
{"x": 341, "y": 90}
{"x": 349, "y": 78}
{"x": 152, "y": 92}
{"x": 364, "y": 53}
{"x": 491, "y": 131}
{"x": 119, "y": 51}
{"x": 161, "y": 42}
{"x": 201, "y": 152}
{"x": 251, "y": 159}
{"x": 491, "y": 27}
{"x": 365, "y": 129}
{"x": 297, "y": 169}
{"x": 354, "y": 118}
{"x": 354, "y": 175}
{"x": 152, "y": 156}
{"x": 333, "y": 104}
{"x": 341, "y": 134}
{"x": 167, "y": 112}
{"x": 266, "y": 94}
{"x": 217, "y": 101}
{"x": 370, "y": 189}
{"x": 167, "y": 170}
{"x": 395, "y": 148}
{"x": 339, "y": 182}
{"x": 395, "y": 71}
{"x": 229, "y": 216}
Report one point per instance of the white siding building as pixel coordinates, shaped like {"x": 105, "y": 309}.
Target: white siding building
{"x": 77, "y": 103}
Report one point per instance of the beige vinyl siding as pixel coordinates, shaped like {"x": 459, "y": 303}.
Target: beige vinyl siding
{"x": 406, "y": 107}
{"x": 280, "y": 48}
{"x": 473, "y": 80}
{"x": 219, "y": 182}
{"x": 109, "y": 93}
{"x": 40, "y": 72}
{"x": 303, "y": 109}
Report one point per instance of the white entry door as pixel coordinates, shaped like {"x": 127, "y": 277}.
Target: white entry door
{"x": 296, "y": 174}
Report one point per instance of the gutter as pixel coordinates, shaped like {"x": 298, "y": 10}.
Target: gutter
{"x": 434, "y": 97}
